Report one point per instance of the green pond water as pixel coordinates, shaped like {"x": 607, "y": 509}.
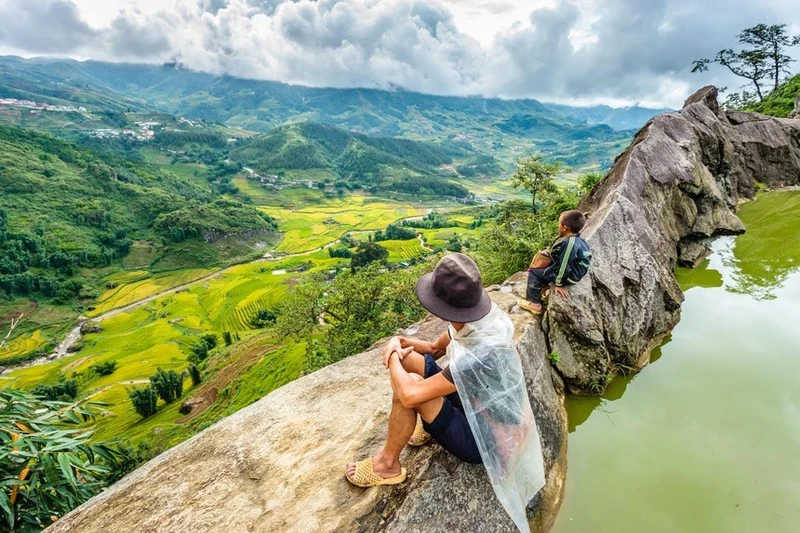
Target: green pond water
{"x": 707, "y": 437}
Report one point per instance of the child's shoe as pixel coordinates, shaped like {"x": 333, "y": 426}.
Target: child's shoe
{"x": 531, "y": 307}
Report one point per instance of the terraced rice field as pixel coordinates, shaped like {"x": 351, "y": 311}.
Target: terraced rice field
{"x": 403, "y": 250}
{"x": 160, "y": 334}
{"x": 135, "y": 285}
{"x": 439, "y": 237}
{"x": 22, "y": 345}
{"x": 310, "y": 227}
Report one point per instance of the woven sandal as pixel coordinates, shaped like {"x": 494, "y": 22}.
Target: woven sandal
{"x": 420, "y": 436}
{"x": 526, "y": 305}
{"x": 365, "y": 476}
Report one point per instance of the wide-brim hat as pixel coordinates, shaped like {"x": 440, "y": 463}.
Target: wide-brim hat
{"x": 454, "y": 290}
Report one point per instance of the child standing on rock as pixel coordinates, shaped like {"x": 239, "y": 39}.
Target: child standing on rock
{"x": 565, "y": 263}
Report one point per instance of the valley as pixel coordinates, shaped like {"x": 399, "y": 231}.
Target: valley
{"x": 165, "y": 235}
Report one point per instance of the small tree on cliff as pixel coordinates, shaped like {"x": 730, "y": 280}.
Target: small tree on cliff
{"x": 536, "y": 176}
{"x": 764, "y": 58}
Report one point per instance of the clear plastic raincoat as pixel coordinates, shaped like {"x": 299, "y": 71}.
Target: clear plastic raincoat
{"x": 488, "y": 374}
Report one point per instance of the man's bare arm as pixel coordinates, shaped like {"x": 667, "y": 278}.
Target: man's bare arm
{"x": 437, "y": 348}
{"x": 413, "y": 393}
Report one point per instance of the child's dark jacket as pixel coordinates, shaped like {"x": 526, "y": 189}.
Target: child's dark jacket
{"x": 571, "y": 257}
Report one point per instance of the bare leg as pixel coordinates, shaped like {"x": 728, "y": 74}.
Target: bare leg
{"x": 402, "y": 421}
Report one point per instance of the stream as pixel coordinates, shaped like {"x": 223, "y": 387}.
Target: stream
{"x": 707, "y": 437}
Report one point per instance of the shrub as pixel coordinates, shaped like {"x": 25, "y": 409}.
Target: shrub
{"x": 586, "y": 182}
{"x": 47, "y": 468}
{"x": 168, "y": 385}
{"x": 105, "y": 369}
{"x": 66, "y": 390}
{"x": 144, "y": 401}
{"x": 194, "y": 373}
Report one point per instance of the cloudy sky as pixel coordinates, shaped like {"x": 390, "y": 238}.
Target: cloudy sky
{"x": 574, "y": 51}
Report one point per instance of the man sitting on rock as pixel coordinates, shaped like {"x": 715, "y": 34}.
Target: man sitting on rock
{"x": 476, "y": 408}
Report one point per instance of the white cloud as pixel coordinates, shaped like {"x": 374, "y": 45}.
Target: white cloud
{"x": 618, "y": 51}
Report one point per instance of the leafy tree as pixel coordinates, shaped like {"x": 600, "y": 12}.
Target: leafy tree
{"x": 64, "y": 391}
{"x": 168, "y": 385}
{"x": 394, "y": 232}
{"x": 359, "y": 308}
{"x": 536, "y": 176}
{"x": 508, "y": 245}
{"x": 199, "y": 351}
{"x": 194, "y": 373}
{"x": 226, "y": 336}
{"x": 586, "y": 182}
{"x": 368, "y": 252}
{"x": 105, "y": 369}
{"x": 144, "y": 400}
{"x": 432, "y": 220}
{"x": 263, "y": 318}
{"x": 766, "y": 59}
{"x": 47, "y": 468}
{"x": 340, "y": 251}
{"x": 211, "y": 340}
{"x": 317, "y": 356}
{"x": 454, "y": 243}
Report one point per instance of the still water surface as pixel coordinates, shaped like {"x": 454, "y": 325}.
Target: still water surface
{"x": 706, "y": 438}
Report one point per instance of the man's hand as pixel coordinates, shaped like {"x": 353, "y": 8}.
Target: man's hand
{"x": 561, "y": 291}
{"x": 395, "y": 345}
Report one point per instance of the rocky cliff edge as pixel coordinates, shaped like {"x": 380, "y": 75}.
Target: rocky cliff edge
{"x": 278, "y": 465}
{"x": 677, "y": 186}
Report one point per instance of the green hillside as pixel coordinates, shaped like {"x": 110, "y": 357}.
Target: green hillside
{"x": 565, "y": 133}
{"x": 65, "y": 209}
{"x": 380, "y": 163}
{"x": 780, "y": 102}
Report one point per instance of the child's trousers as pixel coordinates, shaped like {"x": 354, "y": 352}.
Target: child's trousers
{"x": 538, "y": 278}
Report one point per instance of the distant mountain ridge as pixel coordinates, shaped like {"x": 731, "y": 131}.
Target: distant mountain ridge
{"x": 376, "y": 163}
{"x": 223, "y": 98}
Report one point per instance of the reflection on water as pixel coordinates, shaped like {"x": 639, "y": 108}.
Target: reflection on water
{"x": 765, "y": 256}
{"x": 706, "y": 438}
{"x": 581, "y": 407}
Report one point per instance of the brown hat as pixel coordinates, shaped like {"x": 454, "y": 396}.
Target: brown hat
{"x": 454, "y": 291}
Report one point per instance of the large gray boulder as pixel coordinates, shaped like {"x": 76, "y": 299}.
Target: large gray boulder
{"x": 278, "y": 465}
{"x": 675, "y": 187}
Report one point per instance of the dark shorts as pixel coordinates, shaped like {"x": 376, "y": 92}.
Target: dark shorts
{"x": 450, "y": 427}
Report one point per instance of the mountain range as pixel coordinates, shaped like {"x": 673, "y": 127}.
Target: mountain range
{"x": 262, "y": 105}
